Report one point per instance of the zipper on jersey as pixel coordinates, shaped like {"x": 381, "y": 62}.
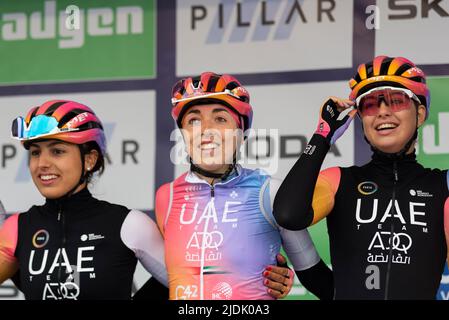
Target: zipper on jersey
{"x": 393, "y": 213}
{"x": 212, "y": 191}
{"x": 203, "y": 249}
{"x": 61, "y": 219}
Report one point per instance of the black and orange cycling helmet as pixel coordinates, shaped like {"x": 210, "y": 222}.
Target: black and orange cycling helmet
{"x": 224, "y": 89}
{"x": 390, "y": 71}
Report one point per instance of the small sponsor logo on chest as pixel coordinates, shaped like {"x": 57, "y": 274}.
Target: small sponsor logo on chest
{"x": 91, "y": 237}
{"x": 420, "y": 193}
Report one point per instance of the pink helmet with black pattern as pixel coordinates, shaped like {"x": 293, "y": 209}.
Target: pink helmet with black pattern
{"x": 64, "y": 120}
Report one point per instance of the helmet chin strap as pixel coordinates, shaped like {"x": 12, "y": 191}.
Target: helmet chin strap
{"x": 208, "y": 174}
{"x": 395, "y": 155}
{"x": 221, "y": 176}
{"x": 80, "y": 182}
{"x": 401, "y": 153}
{"x": 213, "y": 175}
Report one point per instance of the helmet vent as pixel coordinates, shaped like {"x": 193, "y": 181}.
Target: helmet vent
{"x": 53, "y": 107}
{"x": 403, "y": 68}
{"x": 232, "y": 85}
{"x": 212, "y": 83}
{"x": 369, "y": 70}
{"x": 196, "y": 83}
{"x": 385, "y": 66}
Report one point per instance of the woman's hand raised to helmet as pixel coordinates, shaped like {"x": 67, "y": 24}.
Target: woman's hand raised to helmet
{"x": 329, "y": 124}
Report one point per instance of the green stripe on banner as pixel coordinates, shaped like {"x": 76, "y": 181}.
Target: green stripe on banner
{"x": 433, "y": 135}
{"x": 66, "y": 40}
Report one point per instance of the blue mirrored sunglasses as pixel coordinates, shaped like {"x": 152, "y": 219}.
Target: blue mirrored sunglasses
{"x": 39, "y": 126}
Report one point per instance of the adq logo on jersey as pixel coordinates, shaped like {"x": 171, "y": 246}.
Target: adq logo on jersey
{"x": 366, "y": 188}
{"x": 40, "y": 238}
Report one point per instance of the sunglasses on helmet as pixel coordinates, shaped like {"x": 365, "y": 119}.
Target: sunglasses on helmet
{"x": 40, "y": 126}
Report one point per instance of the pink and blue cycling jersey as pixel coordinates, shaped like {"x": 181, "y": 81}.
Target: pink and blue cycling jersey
{"x": 219, "y": 239}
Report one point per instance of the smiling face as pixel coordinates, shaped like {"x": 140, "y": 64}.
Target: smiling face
{"x": 390, "y": 131}
{"x": 55, "y": 167}
{"x": 210, "y": 133}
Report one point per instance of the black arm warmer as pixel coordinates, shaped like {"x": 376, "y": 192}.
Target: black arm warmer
{"x": 16, "y": 280}
{"x": 292, "y": 206}
{"x": 152, "y": 290}
{"x": 319, "y": 280}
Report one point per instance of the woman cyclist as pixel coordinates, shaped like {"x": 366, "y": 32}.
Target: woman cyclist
{"x": 386, "y": 218}
{"x": 216, "y": 218}
{"x": 74, "y": 246}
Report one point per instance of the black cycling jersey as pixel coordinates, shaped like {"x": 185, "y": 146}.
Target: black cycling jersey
{"x": 73, "y": 249}
{"x": 363, "y": 224}
{"x": 379, "y": 250}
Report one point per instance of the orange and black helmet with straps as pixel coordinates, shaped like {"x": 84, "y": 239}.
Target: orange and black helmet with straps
{"x": 224, "y": 89}
{"x": 390, "y": 71}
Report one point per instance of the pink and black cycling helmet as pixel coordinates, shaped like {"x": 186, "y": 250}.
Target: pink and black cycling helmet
{"x": 64, "y": 120}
